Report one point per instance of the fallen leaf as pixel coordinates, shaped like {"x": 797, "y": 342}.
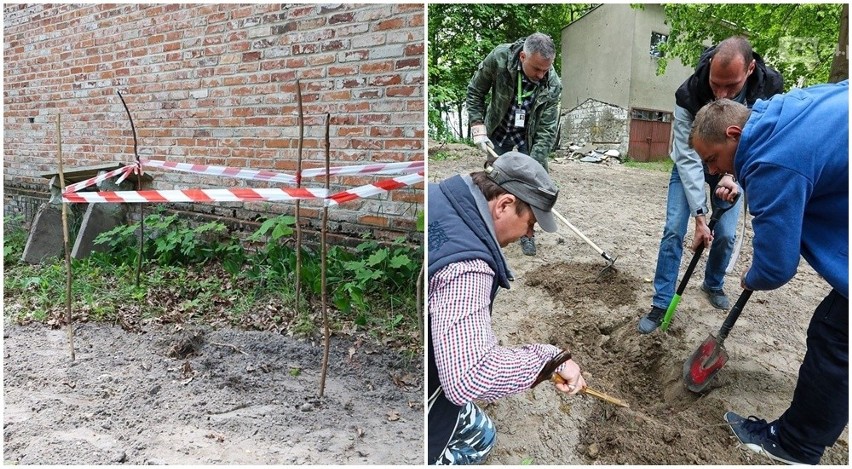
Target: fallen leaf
{"x": 393, "y": 416}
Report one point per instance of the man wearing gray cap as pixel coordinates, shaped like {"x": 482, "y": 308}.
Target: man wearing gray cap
{"x": 470, "y": 219}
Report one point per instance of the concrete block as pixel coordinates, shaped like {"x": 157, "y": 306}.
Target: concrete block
{"x": 99, "y": 218}
{"x": 45, "y": 239}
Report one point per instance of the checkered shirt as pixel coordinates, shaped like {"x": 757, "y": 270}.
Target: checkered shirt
{"x": 506, "y": 134}
{"x": 471, "y": 364}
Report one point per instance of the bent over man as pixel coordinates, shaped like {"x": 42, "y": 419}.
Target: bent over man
{"x": 470, "y": 219}
{"x": 791, "y": 156}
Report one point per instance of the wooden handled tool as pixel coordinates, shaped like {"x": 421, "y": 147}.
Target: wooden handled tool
{"x": 596, "y": 394}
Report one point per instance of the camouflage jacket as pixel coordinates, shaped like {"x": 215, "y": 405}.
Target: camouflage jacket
{"x": 498, "y": 73}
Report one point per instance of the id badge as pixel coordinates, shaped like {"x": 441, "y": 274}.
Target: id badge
{"x": 520, "y": 118}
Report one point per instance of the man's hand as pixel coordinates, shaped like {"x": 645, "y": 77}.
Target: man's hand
{"x": 703, "y": 235}
{"x": 742, "y": 280}
{"x": 727, "y": 188}
{"x": 480, "y": 137}
{"x": 574, "y": 382}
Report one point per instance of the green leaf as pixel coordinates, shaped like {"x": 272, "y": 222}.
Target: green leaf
{"x": 399, "y": 261}
{"x": 377, "y": 257}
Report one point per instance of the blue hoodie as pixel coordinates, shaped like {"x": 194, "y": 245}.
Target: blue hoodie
{"x": 793, "y": 163}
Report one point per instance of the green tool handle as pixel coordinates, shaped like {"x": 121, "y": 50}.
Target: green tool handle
{"x": 667, "y": 319}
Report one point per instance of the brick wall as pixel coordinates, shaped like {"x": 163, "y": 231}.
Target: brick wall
{"x": 215, "y": 84}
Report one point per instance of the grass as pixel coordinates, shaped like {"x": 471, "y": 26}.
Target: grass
{"x": 664, "y": 165}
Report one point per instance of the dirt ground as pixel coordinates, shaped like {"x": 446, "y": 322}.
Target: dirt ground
{"x": 557, "y": 298}
{"x": 190, "y": 395}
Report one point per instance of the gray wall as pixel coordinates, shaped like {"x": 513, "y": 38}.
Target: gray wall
{"x": 605, "y": 56}
{"x": 596, "y": 60}
{"x": 647, "y": 90}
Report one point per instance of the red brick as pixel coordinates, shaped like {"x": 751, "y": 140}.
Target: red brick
{"x": 222, "y": 92}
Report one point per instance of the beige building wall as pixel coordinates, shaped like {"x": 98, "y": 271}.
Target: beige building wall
{"x": 647, "y": 89}
{"x": 606, "y": 57}
{"x": 596, "y": 60}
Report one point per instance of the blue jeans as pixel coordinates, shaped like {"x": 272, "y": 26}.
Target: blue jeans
{"x": 671, "y": 245}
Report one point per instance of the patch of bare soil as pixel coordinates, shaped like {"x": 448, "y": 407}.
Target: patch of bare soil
{"x": 560, "y": 297}
{"x": 194, "y": 395}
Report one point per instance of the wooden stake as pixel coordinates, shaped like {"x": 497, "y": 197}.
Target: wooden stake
{"x": 68, "y": 317}
{"x": 299, "y": 184}
{"x": 327, "y": 334}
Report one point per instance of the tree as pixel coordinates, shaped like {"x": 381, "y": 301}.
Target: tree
{"x": 840, "y": 65}
{"x": 799, "y": 40}
{"x": 461, "y": 35}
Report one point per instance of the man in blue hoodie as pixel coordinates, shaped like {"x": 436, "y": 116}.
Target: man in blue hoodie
{"x": 790, "y": 154}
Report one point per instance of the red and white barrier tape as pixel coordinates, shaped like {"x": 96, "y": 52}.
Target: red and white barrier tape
{"x": 378, "y": 168}
{"x": 242, "y": 194}
{"x": 211, "y": 170}
{"x": 376, "y": 188}
{"x": 253, "y": 174}
{"x": 124, "y": 171}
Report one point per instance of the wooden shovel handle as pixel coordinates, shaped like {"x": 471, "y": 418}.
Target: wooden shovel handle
{"x": 596, "y": 394}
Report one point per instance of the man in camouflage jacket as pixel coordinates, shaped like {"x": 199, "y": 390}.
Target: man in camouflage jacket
{"x": 525, "y": 96}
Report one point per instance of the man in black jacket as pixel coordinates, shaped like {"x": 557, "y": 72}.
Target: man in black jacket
{"x": 730, "y": 70}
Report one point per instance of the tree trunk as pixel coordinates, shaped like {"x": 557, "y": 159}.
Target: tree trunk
{"x": 840, "y": 64}
{"x": 461, "y": 123}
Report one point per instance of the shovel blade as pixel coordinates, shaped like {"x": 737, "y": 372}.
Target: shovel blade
{"x": 704, "y": 363}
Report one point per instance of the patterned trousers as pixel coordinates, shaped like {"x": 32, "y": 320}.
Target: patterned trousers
{"x": 473, "y": 438}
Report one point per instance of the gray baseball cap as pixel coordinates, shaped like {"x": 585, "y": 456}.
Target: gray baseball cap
{"x": 526, "y": 179}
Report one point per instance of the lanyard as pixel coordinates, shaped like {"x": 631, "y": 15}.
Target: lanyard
{"x": 521, "y": 97}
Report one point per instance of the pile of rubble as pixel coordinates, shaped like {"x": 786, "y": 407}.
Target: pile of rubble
{"x": 589, "y": 154}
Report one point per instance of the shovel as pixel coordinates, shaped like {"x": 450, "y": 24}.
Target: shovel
{"x": 609, "y": 259}
{"x": 711, "y": 355}
{"x": 717, "y": 214}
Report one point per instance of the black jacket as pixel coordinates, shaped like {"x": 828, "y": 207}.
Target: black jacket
{"x": 695, "y": 92}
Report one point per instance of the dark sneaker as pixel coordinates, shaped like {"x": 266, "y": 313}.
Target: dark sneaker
{"x": 759, "y": 436}
{"x": 652, "y": 320}
{"x": 717, "y": 298}
{"x": 528, "y": 245}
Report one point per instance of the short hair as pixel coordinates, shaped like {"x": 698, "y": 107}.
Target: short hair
{"x": 491, "y": 190}
{"x": 714, "y": 118}
{"x": 731, "y": 48}
{"x": 541, "y": 44}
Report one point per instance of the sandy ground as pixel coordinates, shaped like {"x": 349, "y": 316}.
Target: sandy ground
{"x": 556, "y": 298}
{"x": 185, "y": 395}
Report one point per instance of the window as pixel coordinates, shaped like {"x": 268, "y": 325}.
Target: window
{"x": 656, "y": 40}
{"x": 650, "y": 115}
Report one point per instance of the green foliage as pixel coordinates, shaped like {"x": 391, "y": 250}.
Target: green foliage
{"x": 372, "y": 285}
{"x": 170, "y": 241}
{"x": 461, "y": 35}
{"x": 14, "y": 239}
{"x": 797, "y": 39}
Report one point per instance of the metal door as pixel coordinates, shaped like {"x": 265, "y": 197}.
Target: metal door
{"x": 650, "y": 135}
